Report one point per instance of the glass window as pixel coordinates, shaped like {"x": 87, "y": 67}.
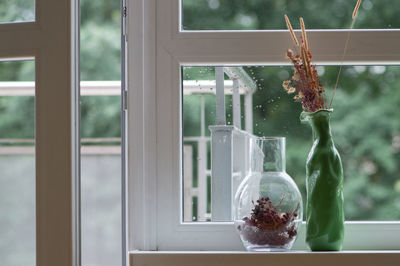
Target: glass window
{"x": 268, "y": 14}
{"x": 101, "y": 133}
{"x": 17, "y": 11}
{"x": 365, "y": 124}
{"x": 17, "y": 163}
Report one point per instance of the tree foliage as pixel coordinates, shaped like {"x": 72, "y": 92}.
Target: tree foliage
{"x": 17, "y": 11}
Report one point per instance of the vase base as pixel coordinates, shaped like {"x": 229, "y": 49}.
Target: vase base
{"x": 265, "y": 249}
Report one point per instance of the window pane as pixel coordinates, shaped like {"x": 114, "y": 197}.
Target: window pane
{"x": 101, "y": 173}
{"x": 101, "y": 133}
{"x": 268, "y": 14}
{"x": 365, "y": 125}
{"x": 17, "y": 164}
{"x": 17, "y": 11}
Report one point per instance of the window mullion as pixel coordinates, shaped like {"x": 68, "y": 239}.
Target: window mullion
{"x": 142, "y": 147}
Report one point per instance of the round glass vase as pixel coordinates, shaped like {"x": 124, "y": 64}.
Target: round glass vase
{"x": 268, "y": 206}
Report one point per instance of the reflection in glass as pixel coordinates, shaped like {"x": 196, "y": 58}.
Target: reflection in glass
{"x": 17, "y": 164}
{"x": 268, "y": 14}
{"x": 365, "y": 124}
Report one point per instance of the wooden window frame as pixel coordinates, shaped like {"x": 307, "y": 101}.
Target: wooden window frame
{"x": 52, "y": 40}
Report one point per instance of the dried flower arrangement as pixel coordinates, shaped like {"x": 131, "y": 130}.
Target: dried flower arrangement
{"x": 268, "y": 226}
{"x": 305, "y": 80}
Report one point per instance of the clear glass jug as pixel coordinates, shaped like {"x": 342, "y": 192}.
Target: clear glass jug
{"x": 268, "y": 205}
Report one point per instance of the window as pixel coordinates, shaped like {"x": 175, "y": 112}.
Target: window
{"x": 158, "y": 51}
{"x": 41, "y": 153}
{"x": 100, "y": 132}
{"x": 365, "y": 101}
{"x": 47, "y": 192}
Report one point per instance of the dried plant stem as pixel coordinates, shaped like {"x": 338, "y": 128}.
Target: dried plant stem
{"x": 305, "y": 50}
{"x": 356, "y": 9}
{"x": 303, "y": 33}
{"x": 341, "y": 64}
{"x": 354, "y": 16}
{"x": 290, "y": 28}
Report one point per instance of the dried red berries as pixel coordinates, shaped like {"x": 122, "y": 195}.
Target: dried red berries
{"x": 268, "y": 226}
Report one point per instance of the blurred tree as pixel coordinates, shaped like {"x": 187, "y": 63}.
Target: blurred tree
{"x": 17, "y": 11}
{"x": 100, "y": 60}
{"x": 100, "y": 40}
{"x": 268, "y": 14}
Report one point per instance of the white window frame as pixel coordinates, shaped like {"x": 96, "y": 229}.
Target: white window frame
{"x": 157, "y": 48}
{"x": 52, "y": 41}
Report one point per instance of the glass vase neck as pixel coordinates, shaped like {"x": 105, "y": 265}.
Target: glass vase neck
{"x": 268, "y": 154}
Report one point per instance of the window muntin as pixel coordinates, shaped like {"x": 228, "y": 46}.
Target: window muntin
{"x": 267, "y": 15}
{"x": 17, "y": 11}
{"x": 17, "y": 163}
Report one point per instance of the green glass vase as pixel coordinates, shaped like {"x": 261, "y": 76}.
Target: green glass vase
{"x": 324, "y": 173}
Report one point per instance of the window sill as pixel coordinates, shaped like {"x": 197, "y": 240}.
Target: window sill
{"x": 214, "y": 258}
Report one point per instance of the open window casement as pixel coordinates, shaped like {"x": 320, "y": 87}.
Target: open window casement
{"x": 51, "y": 41}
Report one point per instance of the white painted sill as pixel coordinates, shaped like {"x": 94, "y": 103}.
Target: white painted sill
{"x": 292, "y": 258}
